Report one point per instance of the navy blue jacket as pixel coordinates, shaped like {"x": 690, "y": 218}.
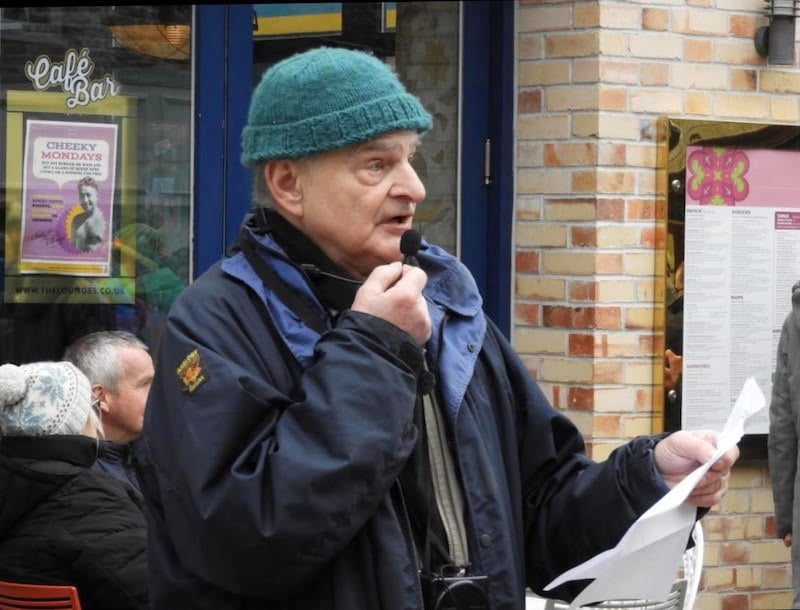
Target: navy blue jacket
{"x": 117, "y": 460}
{"x": 270, "y": 454}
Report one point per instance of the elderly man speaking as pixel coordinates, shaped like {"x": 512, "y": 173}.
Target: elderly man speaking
{"x": 332, "y": 429}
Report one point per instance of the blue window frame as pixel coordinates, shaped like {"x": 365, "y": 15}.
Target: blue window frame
{"x": 487, "y": 210}
{"x": 223, "y": 83}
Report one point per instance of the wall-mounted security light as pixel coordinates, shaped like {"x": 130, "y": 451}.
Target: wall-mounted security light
{"x": 776, "y": 40}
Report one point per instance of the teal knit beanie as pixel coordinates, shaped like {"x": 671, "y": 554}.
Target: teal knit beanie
{"x": 324, "y": 99}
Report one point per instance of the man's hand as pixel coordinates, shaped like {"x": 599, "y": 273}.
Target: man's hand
{"x": 393, "y": 292}
{"x": 682, "y": 452}
{"x": 787, "y": 540}
{"x": 673, "y": 367}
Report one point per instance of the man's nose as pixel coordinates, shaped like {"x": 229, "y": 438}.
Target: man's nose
{"x": 408, "y": 184}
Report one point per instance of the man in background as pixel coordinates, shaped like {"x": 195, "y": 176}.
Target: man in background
{"x": 782, "y": 442}
{"x": 120, "y": 370}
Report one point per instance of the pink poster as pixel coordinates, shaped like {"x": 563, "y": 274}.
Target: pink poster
{"x": 741, "y": 177}
{"x": 67, "y": 198}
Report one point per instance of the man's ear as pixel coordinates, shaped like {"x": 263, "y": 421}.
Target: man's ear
{"x": 283, "y": 180}
{"x": 99, "y": 394}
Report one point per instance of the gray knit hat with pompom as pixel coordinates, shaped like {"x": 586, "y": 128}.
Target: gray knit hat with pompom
{"x": 43, "y": 398}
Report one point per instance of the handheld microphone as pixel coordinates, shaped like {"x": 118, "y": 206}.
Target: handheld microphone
{"x": 410, "y": 242}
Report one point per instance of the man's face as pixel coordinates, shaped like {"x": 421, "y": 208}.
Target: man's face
{"x": 88, "y": 197}
{"x": 123, "y": 409}
{"x": 356, "y": 202}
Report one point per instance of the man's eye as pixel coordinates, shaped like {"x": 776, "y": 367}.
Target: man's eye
{"x": 375, "y": 166}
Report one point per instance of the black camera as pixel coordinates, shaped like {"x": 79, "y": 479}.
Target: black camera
{"x": 455, "y": 592}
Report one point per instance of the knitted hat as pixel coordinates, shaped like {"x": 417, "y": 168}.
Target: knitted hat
{"x": 324, "y": 99}
{"x": 43, "y": 398}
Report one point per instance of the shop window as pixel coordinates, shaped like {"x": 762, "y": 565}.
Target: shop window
{"x": 95, "y": 118}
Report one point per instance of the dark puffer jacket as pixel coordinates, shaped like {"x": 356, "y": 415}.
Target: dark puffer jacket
{"x": 271, "y": 453}
{"x": 63, "y": 522}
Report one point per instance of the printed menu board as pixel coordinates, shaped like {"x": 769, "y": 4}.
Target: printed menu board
{"x": 742, "y": 257}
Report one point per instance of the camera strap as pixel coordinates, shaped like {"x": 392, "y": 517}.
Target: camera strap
{"x": 271, "y": 281}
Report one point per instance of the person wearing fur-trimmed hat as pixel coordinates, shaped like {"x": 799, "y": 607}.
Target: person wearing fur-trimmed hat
{"x": 332, "y": 428}
{"x": 61, "y": 521}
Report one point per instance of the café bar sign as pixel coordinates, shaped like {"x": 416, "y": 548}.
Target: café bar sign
{"x": 73, "y": 76}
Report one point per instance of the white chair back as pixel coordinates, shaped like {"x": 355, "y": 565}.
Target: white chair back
{"x": 674, "y": 601}
{"x": 693, "y": 566}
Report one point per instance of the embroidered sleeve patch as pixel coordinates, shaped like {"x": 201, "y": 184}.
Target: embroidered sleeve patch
{"x": 190, "y": 371}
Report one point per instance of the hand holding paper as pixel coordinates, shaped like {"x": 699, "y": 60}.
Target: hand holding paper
{"x": 645, "y": 561}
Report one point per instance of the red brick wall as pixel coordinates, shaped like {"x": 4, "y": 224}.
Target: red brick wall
{"x": 590, "y": 232}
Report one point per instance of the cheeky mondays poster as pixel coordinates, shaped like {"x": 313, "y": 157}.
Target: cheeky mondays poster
{"x": 67, "y": 198}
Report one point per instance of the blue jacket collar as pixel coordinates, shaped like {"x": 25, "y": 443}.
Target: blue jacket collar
{"x": 455, "y": 306}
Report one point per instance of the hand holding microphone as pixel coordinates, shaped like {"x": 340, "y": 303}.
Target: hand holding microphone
{"x": 394, "y": 292}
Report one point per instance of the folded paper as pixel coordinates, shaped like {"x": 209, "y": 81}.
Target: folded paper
{"x": 645, "y": 562}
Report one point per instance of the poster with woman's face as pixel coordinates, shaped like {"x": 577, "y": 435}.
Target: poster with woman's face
{"x": 67, "y": 198}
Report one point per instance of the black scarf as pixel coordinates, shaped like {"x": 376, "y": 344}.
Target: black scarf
{"x": 331, "y": 286}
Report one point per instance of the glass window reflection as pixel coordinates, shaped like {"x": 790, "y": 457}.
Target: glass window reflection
{"x": 94, "y": 97}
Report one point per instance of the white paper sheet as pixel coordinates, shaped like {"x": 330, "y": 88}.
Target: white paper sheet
{"x": 644, "y": 563}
